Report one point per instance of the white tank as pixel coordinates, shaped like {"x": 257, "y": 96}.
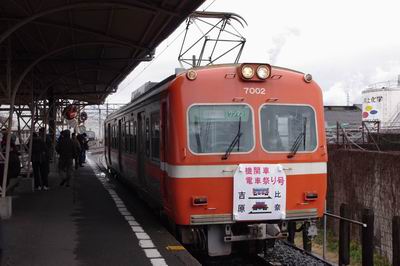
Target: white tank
{"x": 381, "y": 102}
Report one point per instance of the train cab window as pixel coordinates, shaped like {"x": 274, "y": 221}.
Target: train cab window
{"x": 147, "y": 137}
{"x": 282, "y": 126}
{"x": 155, "y": 136}
{"x": 214, "y": 128}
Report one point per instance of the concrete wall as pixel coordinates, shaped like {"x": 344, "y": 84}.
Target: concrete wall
{"x": 366, "y": 179}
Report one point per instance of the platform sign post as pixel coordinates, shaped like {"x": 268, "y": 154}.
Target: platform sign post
{"x": 259, "y": 192}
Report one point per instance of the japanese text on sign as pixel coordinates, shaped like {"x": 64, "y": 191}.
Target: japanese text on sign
{"x": 259, "y": 192}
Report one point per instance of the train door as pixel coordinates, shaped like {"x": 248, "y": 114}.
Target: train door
{"x": 108, "y": 147}
{"x": 164, "y": 159}
{"x": 141, "y": 153}
{"x": 119, "y": 145}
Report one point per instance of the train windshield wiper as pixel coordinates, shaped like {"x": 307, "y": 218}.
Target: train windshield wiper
{"x": 301, "y": 137}
{"x": 235, "y": 140}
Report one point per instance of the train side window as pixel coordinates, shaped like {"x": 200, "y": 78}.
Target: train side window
{"x": 127, "y": 135}
{"x": 134, "y": 136}
{"x": 130, "y": 136}
{"x": 147, "y": 137}
{"x": 105, "y": 136}
{"x": 122, "y": 137}
{"x": 115, "y": 137}
{"x": 112, "y": 136}
{"x": 155, "y": 136}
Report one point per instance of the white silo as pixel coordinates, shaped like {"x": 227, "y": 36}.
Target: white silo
{"x": 381, "y": 102}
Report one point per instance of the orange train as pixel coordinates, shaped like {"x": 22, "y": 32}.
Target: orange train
{"x": 194, "y": 143}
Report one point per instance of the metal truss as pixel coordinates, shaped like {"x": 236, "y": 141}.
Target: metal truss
{"x": 27, "y": 118}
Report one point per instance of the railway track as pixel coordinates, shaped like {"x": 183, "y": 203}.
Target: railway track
{"x": 285, "y": 253}
{"x": 282, "y": 254}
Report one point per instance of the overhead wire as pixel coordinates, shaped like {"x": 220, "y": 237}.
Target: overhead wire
{"x": 155, "y": 58}
{"x": 151, "y": 62}
{"x": 209, "y": 5}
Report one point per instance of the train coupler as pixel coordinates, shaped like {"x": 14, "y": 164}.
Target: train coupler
{"x": 256, "y": 232}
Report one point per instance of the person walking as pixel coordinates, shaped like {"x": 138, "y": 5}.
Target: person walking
{"x": 45, "y": 163}
{"x": 83, "y": 141}
{"x": 78, "y": 150}
{"x": 67, "y": 151}
{"x": 39, "y": 162}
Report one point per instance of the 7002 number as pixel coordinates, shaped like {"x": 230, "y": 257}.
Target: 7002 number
{"x": 254, "y": 90}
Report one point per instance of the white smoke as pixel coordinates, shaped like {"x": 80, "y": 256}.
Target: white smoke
{"x": 388, "y": 72}
{"x": 279, "y": 41}
{"x": 349, "y": 89}
{"x": 355, "y": 82}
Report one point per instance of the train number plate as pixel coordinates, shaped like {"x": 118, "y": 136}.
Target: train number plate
{"x": 259, "y": 192}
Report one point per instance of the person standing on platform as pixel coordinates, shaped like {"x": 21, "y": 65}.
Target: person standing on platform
{"x": 84, "y": 147}
{"x": 38, "y": 158}
{"x": 66, "y": 149}
{"x": 78, "y": 150}
{"x": 45, "y": 164}
{"x": 14, "y": 164}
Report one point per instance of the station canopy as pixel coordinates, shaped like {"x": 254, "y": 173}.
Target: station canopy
{"x": 80, "y": 50}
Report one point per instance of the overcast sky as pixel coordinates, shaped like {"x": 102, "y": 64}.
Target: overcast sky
{"x": 345, "y": 45}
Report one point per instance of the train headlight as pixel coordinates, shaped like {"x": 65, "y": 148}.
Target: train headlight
{"x": 247, "y": 72}
{"x": 254, "y": 72}
{"x": 263, "y": 72}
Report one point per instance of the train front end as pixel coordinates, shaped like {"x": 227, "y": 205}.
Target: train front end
{"x": 247, "y": 155}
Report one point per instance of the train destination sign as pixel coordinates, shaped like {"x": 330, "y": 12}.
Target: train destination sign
{"x": 259, "y": 192}
{"x": 219, "y": 113}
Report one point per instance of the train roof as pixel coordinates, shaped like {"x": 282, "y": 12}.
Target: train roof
{"x": 154, "y": 89}
{"x": 144, "y": 92}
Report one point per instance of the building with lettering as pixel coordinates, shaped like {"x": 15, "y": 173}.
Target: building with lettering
{"x": 381, "y": 103}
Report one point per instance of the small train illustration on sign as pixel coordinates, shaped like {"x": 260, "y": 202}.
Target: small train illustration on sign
{"x": 260, "y": 205}
{"x": 260, "y": 191}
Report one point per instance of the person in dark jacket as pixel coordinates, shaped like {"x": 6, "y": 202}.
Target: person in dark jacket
{"x": 14, "y": 164}
{"x": 78, "y": 150}
{"x": 82, "y": 138}
{"x": 67, "y": 151}
{"x": 39, "y": 160}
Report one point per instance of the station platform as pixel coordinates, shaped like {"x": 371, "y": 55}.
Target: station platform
{"x": 96, "y": 221}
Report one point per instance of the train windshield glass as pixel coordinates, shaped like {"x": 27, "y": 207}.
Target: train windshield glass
{"x": 286, "y": 126}
{"x": 212, "y": 128}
